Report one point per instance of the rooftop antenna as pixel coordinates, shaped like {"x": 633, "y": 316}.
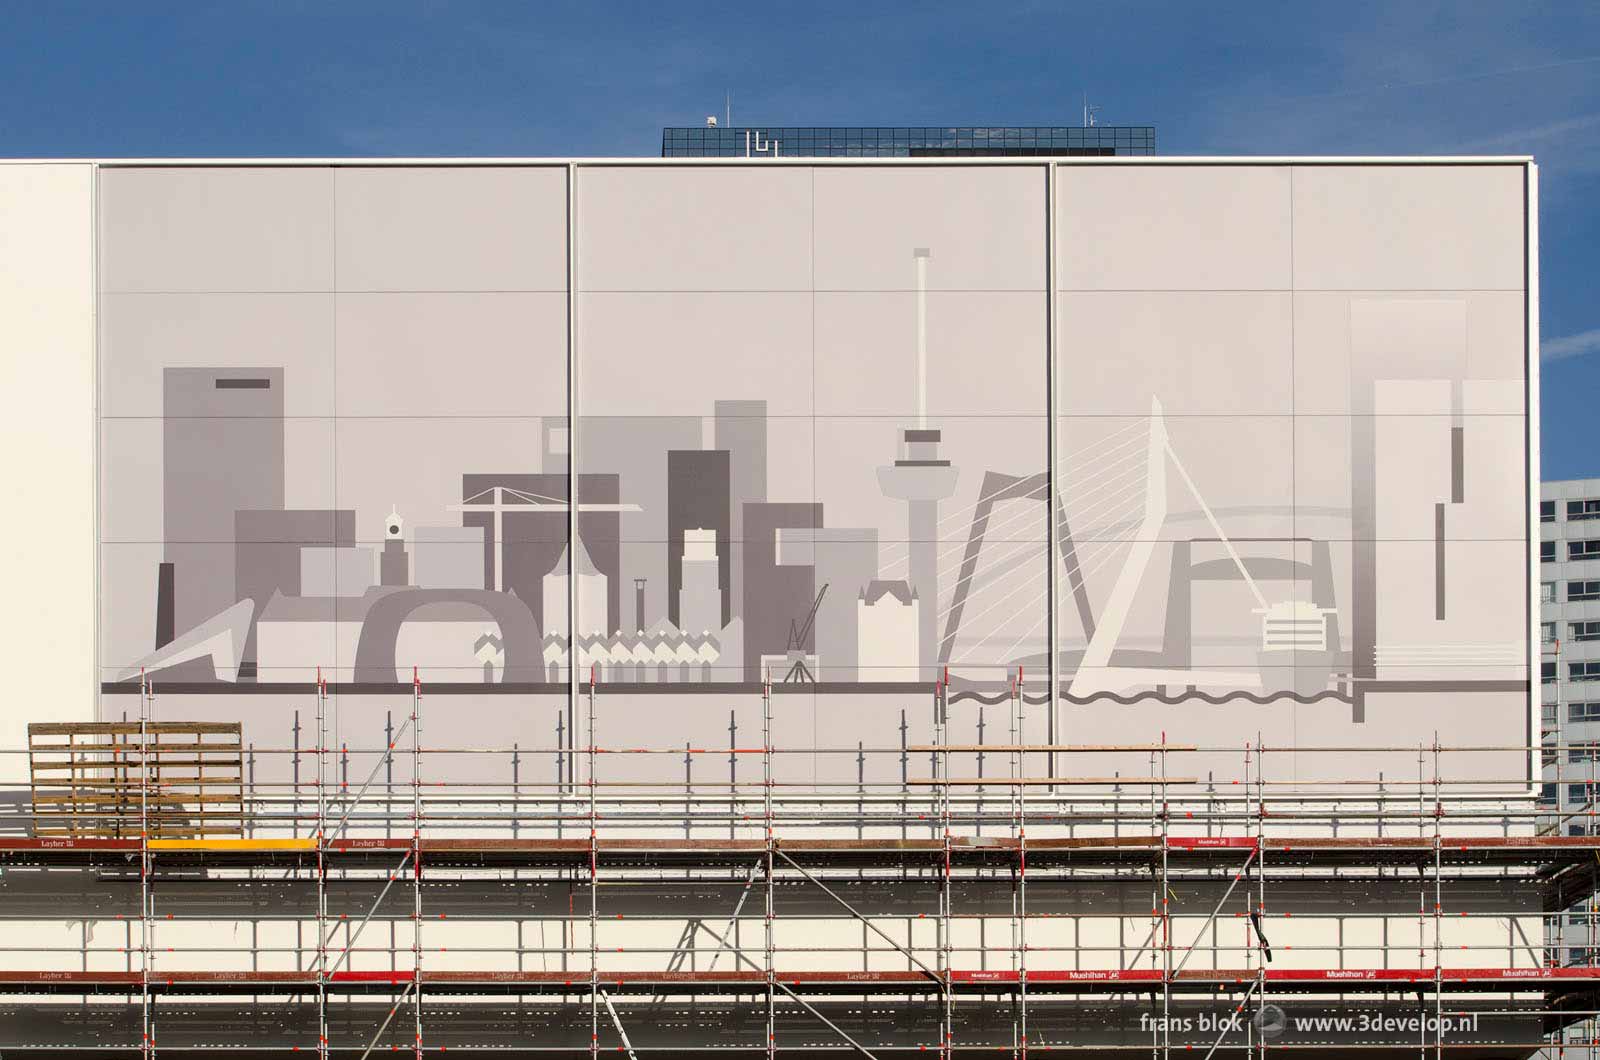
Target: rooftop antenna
{"x": 1089, "y": 111}
{"x": 727, "y": 107}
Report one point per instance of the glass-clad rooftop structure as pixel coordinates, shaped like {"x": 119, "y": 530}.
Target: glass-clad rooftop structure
{"x": 906, "y": 141}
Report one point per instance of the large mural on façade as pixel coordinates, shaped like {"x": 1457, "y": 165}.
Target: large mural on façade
{"x": 801, "y": 418}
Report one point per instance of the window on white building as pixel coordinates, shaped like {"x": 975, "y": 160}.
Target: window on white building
{"x": 1584, "y": 711}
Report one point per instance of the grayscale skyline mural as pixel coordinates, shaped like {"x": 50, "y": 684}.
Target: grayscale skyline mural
{"x": 811, "y": 436}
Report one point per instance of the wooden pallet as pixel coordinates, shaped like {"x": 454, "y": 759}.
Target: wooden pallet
{"x": 98, "y": 780}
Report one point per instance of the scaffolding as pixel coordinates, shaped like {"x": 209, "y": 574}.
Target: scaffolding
{"x": 1419, "y": 905}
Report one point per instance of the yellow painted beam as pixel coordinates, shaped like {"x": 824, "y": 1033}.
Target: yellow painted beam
{"x": 233, "y": 845}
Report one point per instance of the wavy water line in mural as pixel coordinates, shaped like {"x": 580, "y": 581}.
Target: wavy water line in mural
{"x": 969, "y": 695}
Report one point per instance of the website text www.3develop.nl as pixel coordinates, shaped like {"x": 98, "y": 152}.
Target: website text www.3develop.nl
{"x": 1272, "y": 1022}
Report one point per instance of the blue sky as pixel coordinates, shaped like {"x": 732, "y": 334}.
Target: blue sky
{"x": 435, "y": 78}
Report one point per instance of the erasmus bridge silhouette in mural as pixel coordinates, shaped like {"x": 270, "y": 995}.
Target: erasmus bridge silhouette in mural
{"x": 1120, "y": 486}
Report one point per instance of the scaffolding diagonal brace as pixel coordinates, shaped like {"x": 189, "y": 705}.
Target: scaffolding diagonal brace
{"x": 356, "y": 937}
{"x": 733, "y": 919}
{"x": 401, "y": 1000}
{"x": 913, "y": 958}
{"x": 1189, "y": 950}
{"x": 736, "y": 951}
{"x": 857, "y": 1046}
{"x": 344, "y": 819}
{"x": 1226, "y": 1024}
{"x": 616, "y": 1021}
{"x": 685, "y": 943}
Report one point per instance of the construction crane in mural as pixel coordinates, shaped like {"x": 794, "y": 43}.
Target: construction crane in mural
{"x": 799, "y": 633}
{"x": 499, "y": 501}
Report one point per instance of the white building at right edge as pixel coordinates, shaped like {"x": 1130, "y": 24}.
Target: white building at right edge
{"x": 1569, "y": 599}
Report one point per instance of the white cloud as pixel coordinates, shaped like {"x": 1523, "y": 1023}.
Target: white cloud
{"x": 1579, "y": 345}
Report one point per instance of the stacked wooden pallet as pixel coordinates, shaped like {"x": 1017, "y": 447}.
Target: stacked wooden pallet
{"x": 118, "y": 780}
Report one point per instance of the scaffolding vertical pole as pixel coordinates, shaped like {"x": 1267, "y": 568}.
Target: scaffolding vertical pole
{"x": 1022, "y": 881}
{"x": 1422, "y": 900}
{"x": 322, "y": 874}
{"x": 978, "y": 798}
{"x": 250, "y": 782}
{"x": 905, "y": 786}
{"x": 768, "y": 939}
{"x": 1439, "y": 913}
{"x": 147, "y": 1041}
{"x": 294, "y": 815}
{"x": 1166, "y": 911}
{"x": 861, "y": 790}
{"x": 941, "y": 714}
{"x": 594, "y": 887}
{"x": 1261, "y": 893}
{"x": 905, "y": 814}
{"x": 1156, "y": 884}
{"x": 561, "y": 790}
{"x": 388, "y": 775}
{"x": 1588, "y": 915}
{"x": 416, "y": 861}
{"x": 1016, "y": 872}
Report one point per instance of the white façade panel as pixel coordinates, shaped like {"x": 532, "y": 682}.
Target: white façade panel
{"x": 983, "y": 229}
{"x": 1402, "y": 228}
{"x": 47, "y": 366}
{"x": 693, "y": 229}
{"x": 442, "y": 228}
{"x": 227, "y": 228}
{"x": 1172, "y": 228}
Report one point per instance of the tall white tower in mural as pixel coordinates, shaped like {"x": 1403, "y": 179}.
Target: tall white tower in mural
{"x": 922, "y": 479}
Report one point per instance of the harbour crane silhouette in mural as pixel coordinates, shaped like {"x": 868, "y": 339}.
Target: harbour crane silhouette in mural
{"x": 799, "y": 632}
{"x": 500, "y": 501}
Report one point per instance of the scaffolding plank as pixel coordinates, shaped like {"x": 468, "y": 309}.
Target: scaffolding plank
{"x": 233, "y": 845}
{"x": 1343, "y": 979}
{"x": 1013, "y": 782}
